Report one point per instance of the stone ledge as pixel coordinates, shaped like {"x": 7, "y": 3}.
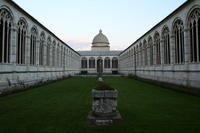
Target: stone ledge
{"x": 106, "y": 120}
{"x": 104, "y": 93}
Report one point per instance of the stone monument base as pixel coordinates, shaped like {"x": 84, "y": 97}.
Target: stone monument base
{"x": 104, "y": 120}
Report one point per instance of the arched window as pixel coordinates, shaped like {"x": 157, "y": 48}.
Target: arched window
{"x": 157, "y": 45}
{"x": 178, "y": 30}
{"x": 194, "y": 23}
{"x": 54, "y": 53}
{"x": 21, "y": 43}
{"x": 145, "y": 53}
{"x": 5, "y": 35}
{"x": 92, "y": 62}
{"x": 107, "y": 62}
{"x": 33, "y": 41}
{"x": 114, "y": 62}
{"x": 84, "y": 62}
{"x": 150, "y": 43}
{"x": 41, "y": 50}
{"x": 48, "y": 51}
{"x": 166, "y": 42}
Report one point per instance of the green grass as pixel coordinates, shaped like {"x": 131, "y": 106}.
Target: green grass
{"x": 62, "y": 107}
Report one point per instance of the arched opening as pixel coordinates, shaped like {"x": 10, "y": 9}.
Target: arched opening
{"x": 140, "y": 54}
{"x": 84, "y": 62}
{"x": 54, "y": 53}
{"x": 21, "y": 43}
{"x": 137, "y": 56}
{"x": 48, "y": 51}
{"x": 33, "y": 41}
{"x": 107, "y": 62}
{"x": 166, "y": 46}
{"x": 5, "y": 36}
{"x": 61, "y": 56}
{"x": 150, "y": 43}
{"x": 194, "y": 24}
{"x": 145, "y": 52}
{"x": 178, "y": 30}
{"x": 99, "y": 65}
{"x": 92, "y": 62}
{"x": 58, "y": 55}
{"x": 157, "y": 45}
{"x": 114, "y": 62}
{"x": 41, "y": 50}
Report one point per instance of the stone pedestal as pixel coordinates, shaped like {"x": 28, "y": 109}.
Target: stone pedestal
{"x": 104, "y": 108}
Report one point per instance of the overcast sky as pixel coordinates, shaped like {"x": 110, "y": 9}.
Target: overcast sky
{"x": 76, "y": 22}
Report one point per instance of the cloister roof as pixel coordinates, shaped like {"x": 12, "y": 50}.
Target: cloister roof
{"x": 99, "y": 53}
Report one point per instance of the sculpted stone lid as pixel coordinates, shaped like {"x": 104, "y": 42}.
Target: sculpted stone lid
{"x": 100, "y": 38}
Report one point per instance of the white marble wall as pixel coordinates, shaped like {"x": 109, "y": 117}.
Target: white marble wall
{"x": 186, "y": 73}
{"x": 15, "y": 73}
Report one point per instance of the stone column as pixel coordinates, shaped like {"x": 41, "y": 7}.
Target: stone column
{"x": 13, "y": 49}
{"x": 187, "y": 45}
{"x": 27, "y": 49}
{"x": 148, "y": 55}
{"x": 67, "y": 56}
{"x": 172, "y": 49}
{"x": 50, "y": 55}
{"x": 69, "y": 60}
{"x": 154, "y": 54}
{"x": 56, "y": 60}
{"x": 143, "y": 57}
{"x": 64, "y": 59}
{"x": 140, "y": 57}
{"x": 162, "y": 51}
{"x": 134, "y": 59}
{"x": 45, "y": 53}
{"x": 37, "y": 51}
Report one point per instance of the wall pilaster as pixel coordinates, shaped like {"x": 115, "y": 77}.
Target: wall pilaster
{"x": 13, "y": 44}
{"x": 172, "y": 49}
{"x": 187, "y": 45}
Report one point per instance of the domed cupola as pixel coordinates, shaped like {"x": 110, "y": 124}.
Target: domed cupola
{"x": 100, "y": 42}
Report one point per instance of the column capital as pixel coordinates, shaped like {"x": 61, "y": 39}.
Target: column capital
{"x": 172, "y": 36}
{"x": 28, "y": 36}
{"x": 186, "y": 29}
{"x": 13, "y": 29}
{"x": 162, "y": 41}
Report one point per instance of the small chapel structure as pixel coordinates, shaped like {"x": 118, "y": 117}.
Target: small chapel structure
{"x": 100, "y": 57}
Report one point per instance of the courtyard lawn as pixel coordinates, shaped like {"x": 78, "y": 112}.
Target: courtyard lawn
{"x": 62, "y": 107}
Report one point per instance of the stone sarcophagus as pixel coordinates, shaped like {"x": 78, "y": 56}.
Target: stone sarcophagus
{"x": 104, "y": 102}
{"x": 104, "y": 107}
